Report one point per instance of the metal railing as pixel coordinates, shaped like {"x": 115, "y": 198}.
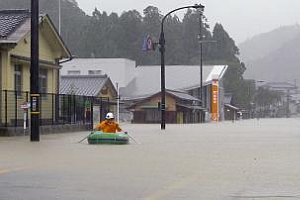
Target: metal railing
{"x": 54, "y": 108}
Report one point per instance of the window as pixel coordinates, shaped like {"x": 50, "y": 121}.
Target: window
{"x": 43, "y": 80}
{"x": 94, "y": 72}
{"x": 73, "y": 72}
{"x": 18, "y": 79}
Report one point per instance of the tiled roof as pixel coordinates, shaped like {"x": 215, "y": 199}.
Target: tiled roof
{"x": 182, "y": 95}
{"x": 176, "y": 93}
{"x": 10, "y": 20}
{"x": 89, "y": 85}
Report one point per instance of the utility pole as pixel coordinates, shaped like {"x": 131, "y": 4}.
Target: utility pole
{"x": 34, "y": 73}
{"x": 288, "y": 104}
{"x": 201, "y": 59}
{"x": 118, "y": 102}
{"x": 201, "y": 54}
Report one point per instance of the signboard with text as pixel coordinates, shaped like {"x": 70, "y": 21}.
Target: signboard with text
{"x": 215, "y": 100}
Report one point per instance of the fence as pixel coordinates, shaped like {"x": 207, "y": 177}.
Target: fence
{"x": 54, "y": 108}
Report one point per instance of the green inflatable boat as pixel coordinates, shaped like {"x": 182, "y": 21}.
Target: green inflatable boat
{"x": 98, "y": 137}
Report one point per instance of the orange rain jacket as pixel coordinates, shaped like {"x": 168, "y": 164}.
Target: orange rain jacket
{"x": 107, "y": 126}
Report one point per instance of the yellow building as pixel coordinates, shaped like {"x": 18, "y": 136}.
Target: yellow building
{"x": 15, "y": 63}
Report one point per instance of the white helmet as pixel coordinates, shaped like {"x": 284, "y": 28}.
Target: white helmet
{"x": 109, "y": 116}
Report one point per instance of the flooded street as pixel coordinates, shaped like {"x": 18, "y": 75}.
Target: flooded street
{"x": 250, "y": 159}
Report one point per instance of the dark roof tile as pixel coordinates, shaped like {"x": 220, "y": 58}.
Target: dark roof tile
{"x": 82, "y": 85}
{"x": 182, "y": 95}
{"x": 10, "y": 20}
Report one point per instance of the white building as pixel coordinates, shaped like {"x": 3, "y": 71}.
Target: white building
{"x": 120, "y": 70}
{"x": 136, "y": 82}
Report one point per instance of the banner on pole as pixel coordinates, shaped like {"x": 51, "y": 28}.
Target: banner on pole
{"x": 148, "y": 44}
{"x": 215, "y": 100}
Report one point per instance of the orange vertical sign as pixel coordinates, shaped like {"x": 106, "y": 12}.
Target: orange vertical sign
{"x": 215, "y": 100}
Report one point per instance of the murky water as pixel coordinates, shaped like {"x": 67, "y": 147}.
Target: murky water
{"x": 247, "y": 159}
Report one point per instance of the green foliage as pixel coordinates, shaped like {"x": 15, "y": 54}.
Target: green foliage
{"x": 73, "y": 22}
{"x": 103, "y": 35}
{"x": 225, "y": 46}
{"x": 225, "y": 52}
{"x": 244, "y": 94}
{"x": 266, "y": 97}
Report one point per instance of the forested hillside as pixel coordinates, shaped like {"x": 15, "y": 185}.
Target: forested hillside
{"x": 111, "y": 35}
{"x": 280, "y": 65}
{"x": 273, "y": 56}
{"x": 263, "y": 44}
{"x": 74, "y": 20}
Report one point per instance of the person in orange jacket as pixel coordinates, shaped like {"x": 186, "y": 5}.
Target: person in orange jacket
{"x": 108, "y": 125}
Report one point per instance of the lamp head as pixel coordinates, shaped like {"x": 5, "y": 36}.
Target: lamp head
{"x": 199, "y": 6}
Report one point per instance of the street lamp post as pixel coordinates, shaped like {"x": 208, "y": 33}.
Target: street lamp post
{"x": 162, "y": 61}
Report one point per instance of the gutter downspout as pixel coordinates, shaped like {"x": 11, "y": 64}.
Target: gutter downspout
{"x": 58, "y": 72}
{"x": 58, "y": 83}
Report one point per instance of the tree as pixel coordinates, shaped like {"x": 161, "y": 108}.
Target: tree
{"x": 265, "y": 97}
{"x": 103, "y": 35}
{"x": 190, "y": 37}
{"x": 151, "y": 26}
{"x": 174, "y": 43}
{"x": 225, "y": 45}
{"x": 130, "y": 38}
{"x": 73, "y": 20}
{"x": 225, "y": 52}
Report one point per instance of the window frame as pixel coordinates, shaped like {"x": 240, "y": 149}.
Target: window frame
{"x": 18, "y": 79}
{"x": 73, "y": 72}
{"x": 43, "y": 81}
{"x": 95, "y": 72}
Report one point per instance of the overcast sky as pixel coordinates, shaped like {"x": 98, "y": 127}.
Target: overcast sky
{"x": 241, "y": 18}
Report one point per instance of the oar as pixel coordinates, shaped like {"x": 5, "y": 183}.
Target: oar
{"x": 131, "y": 137}
{"x": 85, "y": 138}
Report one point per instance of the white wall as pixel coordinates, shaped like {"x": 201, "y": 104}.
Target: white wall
{"x": 119, "y": 70}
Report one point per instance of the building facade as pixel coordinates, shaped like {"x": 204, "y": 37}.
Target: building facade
{"x": 184, "y": 78}
{"x": 15, "y": 58}
{"x": 180, "y": 108}
{"x": 97, "y": 90}
{"x": 141, "y": 82}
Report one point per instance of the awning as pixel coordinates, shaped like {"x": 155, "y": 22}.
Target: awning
{"x": 231, "y": 106}
{"x": 41, "y": 62}
{"x": 150, "y": 106}
{"x": 192, "y": 107}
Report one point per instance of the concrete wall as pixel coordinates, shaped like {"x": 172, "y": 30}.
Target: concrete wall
{"x": 66, "y": 128}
